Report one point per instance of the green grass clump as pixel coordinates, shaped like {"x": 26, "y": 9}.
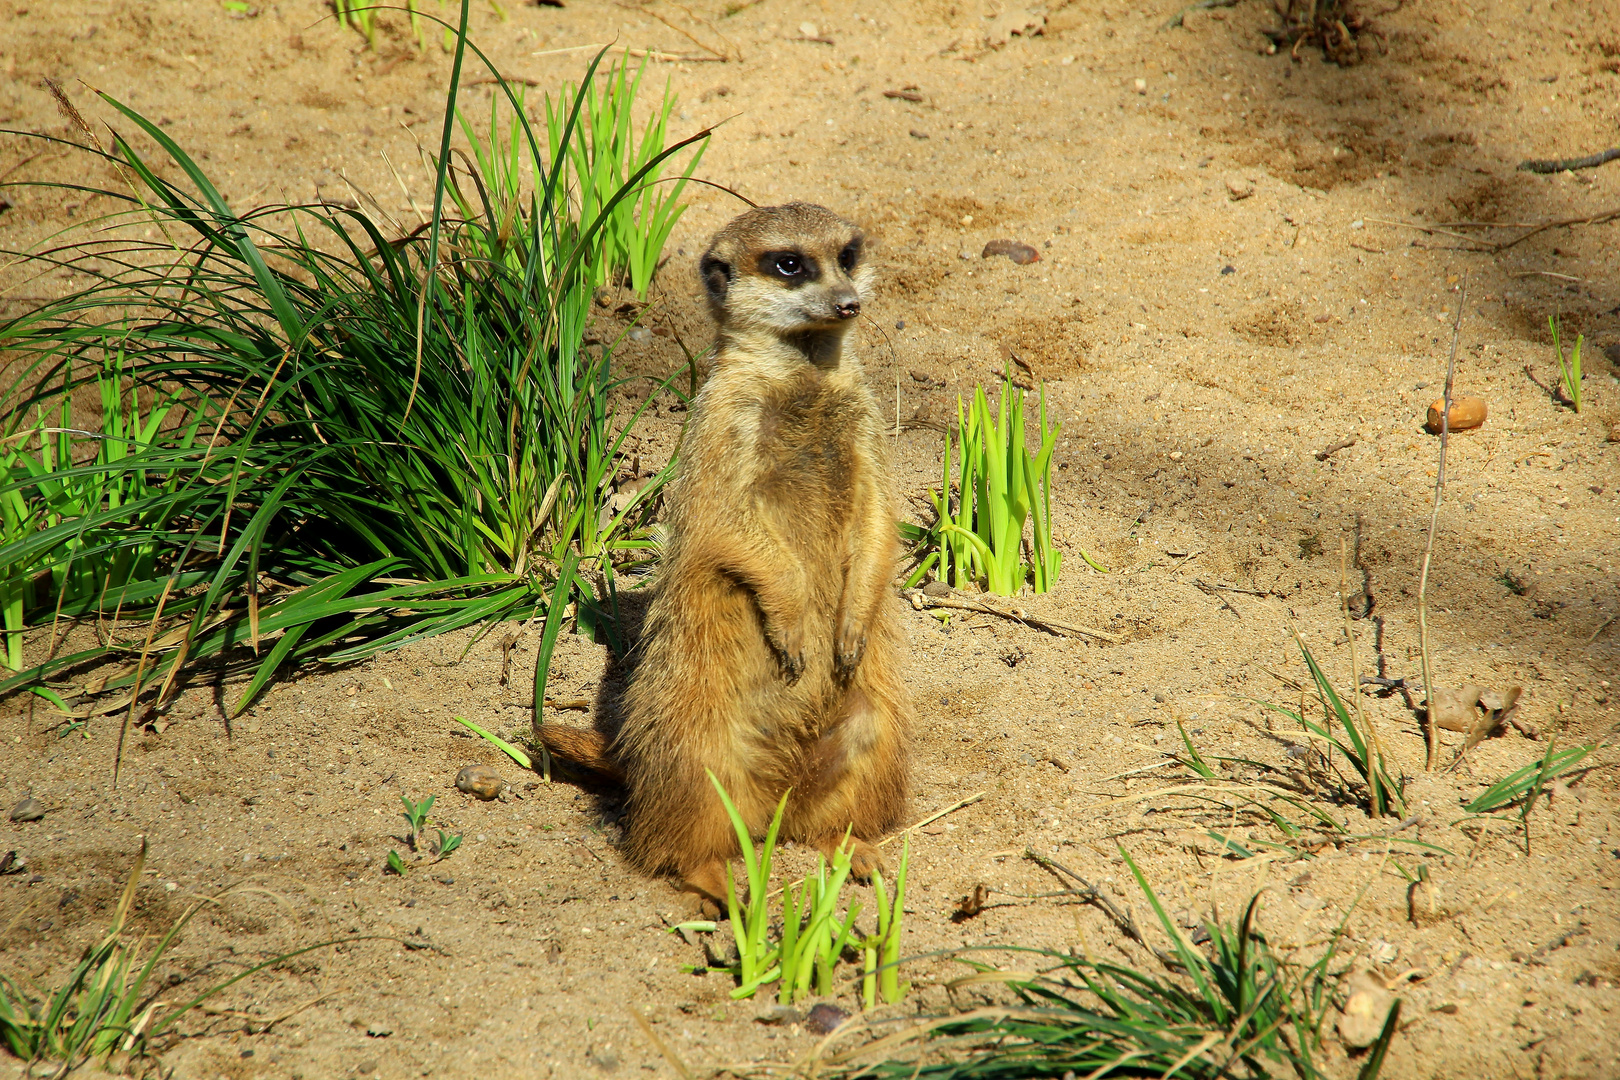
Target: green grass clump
{"x": 1569, "y": 365}
{"x": 809, "y": 938}
{"x": 1235, "y": 1010}
{"x": 1527, "y": 782}
{"x": 1001, "y": 486}
{"x": 357, "y": 440}
{"x": 1356, "y": 742}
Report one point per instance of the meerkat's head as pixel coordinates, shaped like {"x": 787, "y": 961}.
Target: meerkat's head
{"x": 790, "y": 270}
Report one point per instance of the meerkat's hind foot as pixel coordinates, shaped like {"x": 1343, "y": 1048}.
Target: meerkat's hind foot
{"x": 864, "y": 859}
{"x": 706, "y": 886}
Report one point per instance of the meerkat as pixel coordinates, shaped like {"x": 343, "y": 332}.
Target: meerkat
{"x": 770, "y": 655}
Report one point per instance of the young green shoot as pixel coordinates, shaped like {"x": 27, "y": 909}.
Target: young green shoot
{"x": 446, "y": 843}
{"x": 881, "y": 951}
{"x": 1000, "y": 487}
{"x": 415, "y": 816}
{"x": 1569, "y": 366}
{"x": 750, "y": 917}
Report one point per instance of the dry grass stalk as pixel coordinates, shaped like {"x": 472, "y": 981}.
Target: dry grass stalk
{"x": 1431, "y": 733}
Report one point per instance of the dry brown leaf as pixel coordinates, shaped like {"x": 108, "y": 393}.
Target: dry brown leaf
{"x": 1454, "y": 709}
{"x": 1498, "y": 707}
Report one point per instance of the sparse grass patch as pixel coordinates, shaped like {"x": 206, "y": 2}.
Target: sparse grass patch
{"x": 1358, "y": 744}
{"x": 1235, "y": 1010}
{"x": 810, "y": 939}
{"x": 104, "y": 1010}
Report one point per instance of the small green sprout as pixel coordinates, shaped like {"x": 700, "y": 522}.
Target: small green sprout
{"x": 448, "y": 842}
{"x": 397, "y": 865}
{"x": 1569, "y": 368}
{"x": 415, "y": 816}
{"x": 882, "y": 950}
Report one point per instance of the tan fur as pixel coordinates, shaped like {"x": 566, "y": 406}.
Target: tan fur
{"x": 771, "y": 651}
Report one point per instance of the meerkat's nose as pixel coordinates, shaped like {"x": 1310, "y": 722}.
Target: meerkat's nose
{"x": 848, "y": 309}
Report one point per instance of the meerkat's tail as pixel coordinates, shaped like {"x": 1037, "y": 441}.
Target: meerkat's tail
{"x": 580, "y": 748}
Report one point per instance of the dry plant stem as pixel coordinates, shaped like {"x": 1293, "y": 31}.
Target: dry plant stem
{"x": 1051, "y": 626}
{"x": 1432, "y": 732}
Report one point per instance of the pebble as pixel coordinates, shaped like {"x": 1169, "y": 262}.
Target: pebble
{"x": 823, "y": 1019}
{"x": 1020, "y": 253}
{"x": 1466, "y": 412}
{"x": 1239, "y": 188}
{"x": 30, "y": 809}
{"x": 481, "y": 782}
{"x": 936, "y": 588}
{"x": 1365, "y": 1010}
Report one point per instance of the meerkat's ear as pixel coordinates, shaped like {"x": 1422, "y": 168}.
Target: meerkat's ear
{"x": 717, "y": 275}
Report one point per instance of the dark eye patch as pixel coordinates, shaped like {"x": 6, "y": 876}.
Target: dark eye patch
{"x": 793, "y": 268}
{"x": 850, "y": 257}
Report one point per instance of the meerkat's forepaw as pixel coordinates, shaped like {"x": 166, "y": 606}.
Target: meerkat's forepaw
{"x": 850, "y": 647}
{"x": 789, "y": 645}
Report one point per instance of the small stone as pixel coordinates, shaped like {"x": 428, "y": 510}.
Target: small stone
{"x": 1466, "y": 412}
{"x": 366, "y": 1068}
{"x": 379, "y": 1031}
{"x": 1141, "y": 86}
{"x": 936, "y": 588}
{"x": 1239, "y": 188}
{"x": 30, "y": 809}
{"x": 808, "y": 29}
{"x": 1020, "y": 253}
{"x": 481, "y": 782}
{"x": 824, "y": 1019}
{"x": 1365, "y": 1010}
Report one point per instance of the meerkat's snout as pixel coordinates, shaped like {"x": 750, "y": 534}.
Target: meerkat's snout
{"x": 847, "y": 307}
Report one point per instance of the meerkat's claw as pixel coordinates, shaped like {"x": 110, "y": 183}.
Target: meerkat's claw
{"x": 851, "y": 647}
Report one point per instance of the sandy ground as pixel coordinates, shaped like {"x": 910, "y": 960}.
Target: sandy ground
{"x": 1224, "y": 293}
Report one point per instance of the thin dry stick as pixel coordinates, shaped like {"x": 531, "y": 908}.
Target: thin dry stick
{"x": 1432, "y": 733}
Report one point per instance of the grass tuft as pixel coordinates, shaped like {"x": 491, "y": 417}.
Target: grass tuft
{"x": 1235, "y": 1010}
{"x": 1000, "y": 486}
{"x": 358, "y": 439}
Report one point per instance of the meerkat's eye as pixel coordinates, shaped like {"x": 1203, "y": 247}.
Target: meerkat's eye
{"x": 789, "y": 264}
{"x": 850, "y": 256}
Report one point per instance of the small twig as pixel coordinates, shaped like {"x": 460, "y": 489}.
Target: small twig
{"x": 1595, "y": 219}
{"x": 717, "y": 53}
{"x": 921, "y": 600}
{"x": 929, "y": 820}
{"x": 1090, "y": 894}
{"x": 492, "y": 80}
{"x": 1432, "y": 730}
{"x": 1334, "y": 447}
{"x": 1558, "y": 165}
{"x": 1209, "y": 590}
{"x": 935, "y": 816}
{"x": 1232, "y": 588}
